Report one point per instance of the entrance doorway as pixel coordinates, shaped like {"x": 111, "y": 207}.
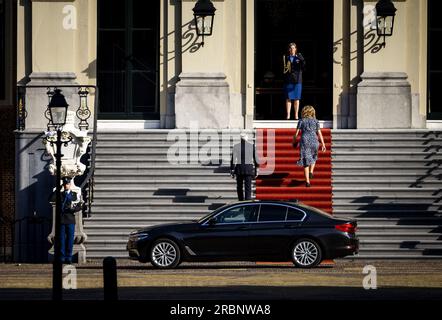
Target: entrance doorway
{"x": 308, "y": 23}
{"x": 127, "y": 59}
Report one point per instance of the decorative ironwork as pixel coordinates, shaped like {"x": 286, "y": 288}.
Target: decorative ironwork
{"x": 21, "y": 111}
{"x": 83, "y": 112}
{"x": 51, "y": 138}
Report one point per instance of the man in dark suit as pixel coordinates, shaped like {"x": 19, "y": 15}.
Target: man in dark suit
{"x": 244, "y": 165}
{"x": 67, "y": 232}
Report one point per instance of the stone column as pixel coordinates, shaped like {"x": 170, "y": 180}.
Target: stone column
{"x": 202, "y": 97}
{"x": 384, "y": 101}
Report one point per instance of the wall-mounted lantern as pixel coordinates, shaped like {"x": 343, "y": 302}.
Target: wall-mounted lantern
{"x": 385, "y": 13}
{"x": 204, "y": 14}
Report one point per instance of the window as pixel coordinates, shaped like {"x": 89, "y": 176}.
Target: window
{"x": 294, "y": 214}
{"x": 241, "y": 214}
{"x": 127, "y": 58}
{"x": 2, "y": 51}
{"x": 270, "y": 212}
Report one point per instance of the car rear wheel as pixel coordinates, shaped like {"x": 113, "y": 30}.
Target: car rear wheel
{"x": 165, "y": 254}
{"x": 306, "y": 253}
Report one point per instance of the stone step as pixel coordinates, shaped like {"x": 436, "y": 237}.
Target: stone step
{"x": 338, "y": 198}
{"x": 385, "y": 133}
{"x": 427, "y": 151}
{"x": 398, "y": 234}
{"x": 159, "y": 210}
{"x": 356, "y": 168}
{"x": 365, "y": 227}
{"x": 131, "y": 223}
{"x": 162, "y": 149}
{"x": 384, "y": 183}
{"x": 366, "y": 157}
{"x": 363, "y": 163}
{"x": 152, "y": 167}
{"x": 156, "y": 134}
{"x": 122, "y": 203}
{"x": 398, "y": 216}
{"x": 362, "y": 192}
{"x": 394, "y": 251}
{"x": 363, "y": 209}
{"x": 165, "y": 144}
{"x": 387, "y": 143}
{"x": 418, "y": 200}
{"x": 368, "y": 212}
{"x": 386, "y": 221}
{"x": 189, "y": 183}
{"x": 130, "y": 196}
{"x": 137, "y": 188}
{"x": 369, "y": 176}
{"x": 160, "y": 157}
{"x": 383, "y": 244}
{"x": 156, "y": 177}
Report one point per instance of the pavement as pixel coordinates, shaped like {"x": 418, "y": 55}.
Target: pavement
{"x": 341, "y": 280}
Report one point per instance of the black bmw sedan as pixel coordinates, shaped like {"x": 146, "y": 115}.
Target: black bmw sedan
{"x": 248, "y": 231}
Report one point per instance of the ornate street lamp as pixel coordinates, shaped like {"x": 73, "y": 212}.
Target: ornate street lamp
{"x": 58, "y": 108}
{"x": 385, "y": 13}
{"x": 204, "y": 14}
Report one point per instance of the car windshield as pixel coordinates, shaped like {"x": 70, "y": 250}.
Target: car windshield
{"x": 213, "y": 213}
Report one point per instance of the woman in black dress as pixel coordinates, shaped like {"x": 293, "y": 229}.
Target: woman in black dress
{"x": 309, "y": 142}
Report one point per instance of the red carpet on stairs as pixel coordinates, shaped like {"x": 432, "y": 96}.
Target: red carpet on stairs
{"x": 287, "y": 180}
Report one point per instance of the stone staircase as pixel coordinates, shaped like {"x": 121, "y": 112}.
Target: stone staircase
{"x": 136, "y": 185}
{"x": 390, "y": 181}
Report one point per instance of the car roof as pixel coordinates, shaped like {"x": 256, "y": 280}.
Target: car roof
{"x": 256, "y": 201}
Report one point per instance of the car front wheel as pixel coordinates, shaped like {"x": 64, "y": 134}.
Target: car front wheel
{"x": 306, "y": 253}
{"x": 165, "y": 254}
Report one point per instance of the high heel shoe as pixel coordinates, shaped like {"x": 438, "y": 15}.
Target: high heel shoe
{"x": 310, "y": 175}
{"x": 307, "y": 184}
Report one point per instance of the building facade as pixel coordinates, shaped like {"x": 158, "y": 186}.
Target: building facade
{"x": 153, "y": 72}
{"x": 147, "y": 59}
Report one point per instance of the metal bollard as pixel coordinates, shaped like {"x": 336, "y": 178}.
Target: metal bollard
{"x": 110, "y": 285}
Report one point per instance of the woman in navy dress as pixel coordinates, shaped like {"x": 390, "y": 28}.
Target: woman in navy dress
{"x": 309, "y": 142}
{"x": 294, "y": 64}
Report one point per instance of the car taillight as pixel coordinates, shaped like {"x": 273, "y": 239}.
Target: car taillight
{"x": 346, "y": 227}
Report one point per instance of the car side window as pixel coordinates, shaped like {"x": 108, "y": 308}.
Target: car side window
{"x": 238, "y": 214}
{"x": 294, "y": 214}
{"x": 270, "y": 212}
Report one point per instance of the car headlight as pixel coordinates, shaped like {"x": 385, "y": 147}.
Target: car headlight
{"x": 137, "y": 236}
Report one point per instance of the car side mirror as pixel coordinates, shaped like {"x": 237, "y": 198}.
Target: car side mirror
{"x": 211, "y": 222}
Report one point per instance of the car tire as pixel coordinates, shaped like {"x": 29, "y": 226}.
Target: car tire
{"x": 165, "y": 254}
{"x": 306, "y": 253}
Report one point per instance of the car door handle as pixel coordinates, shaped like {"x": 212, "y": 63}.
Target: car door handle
{"x": 291, "y": 226}
{"x": 243, "y": 227}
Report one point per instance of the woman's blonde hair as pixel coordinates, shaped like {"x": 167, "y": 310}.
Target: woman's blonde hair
{"x": 308, "y": 112}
